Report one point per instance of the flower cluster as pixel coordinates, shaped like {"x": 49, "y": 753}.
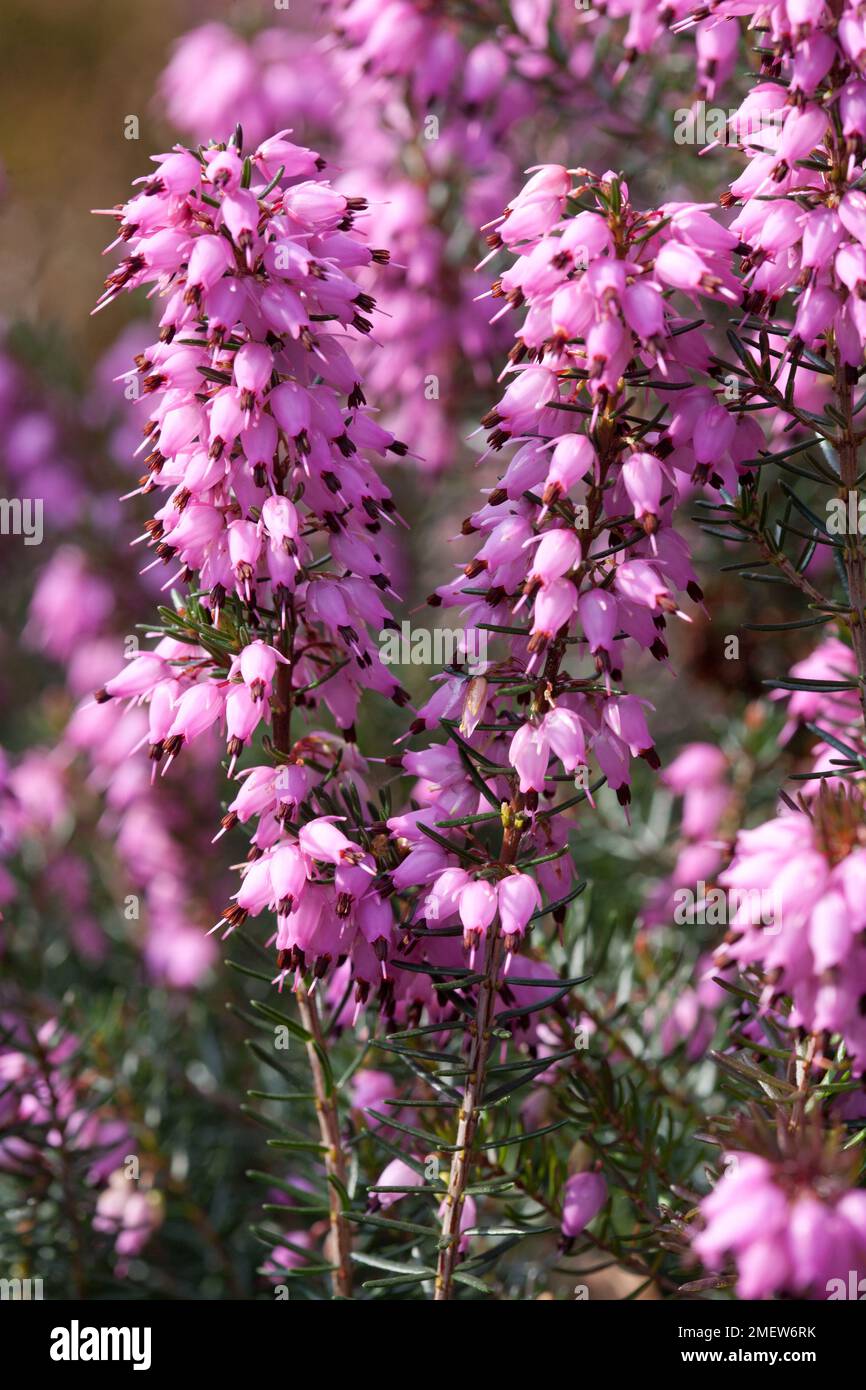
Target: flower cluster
{"x": 699, "y": 774}
{"x": 438, "y": 112}
{"x": 579, "y": 558}
{"x": 828, "y": 694}
{"x": 259, "y": 433}
{"x": 811, "y": 864}
{"x": 130, "y": 1214}
{"x": 442, "y": 55}
{"x": 155, "y": 833}
{"x": 432, "y": 299}
{"x": 792, "y": 1227}
{"x": 216, "y": 79}
{"x": 814, "y": 867}
{"x": 578, "y": 545}
{"x": 803, "y": 220}
{"x": 51, "y": 1114}
{"x": 51, "y": 454}
{"x": 801, "y": 229}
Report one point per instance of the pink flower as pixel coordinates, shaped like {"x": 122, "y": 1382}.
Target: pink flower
{"x": 477, "y": 908}
{"x": 585, "y": 1195}
{"x": 129, "y": 1214}
{"x": 397, "y": 1174}
{"x": 518, "y": 898}
{"x": 320, "y": 839}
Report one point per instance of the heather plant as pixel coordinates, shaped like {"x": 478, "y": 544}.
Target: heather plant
{"x": 548, "y": 980}
{"x": 580, "y": 527}
{"x": 787, "y": 1209}
{"x": 263, "y": 467}
{"x": 790, "y": 1216}
{"x": 276, "y": 521}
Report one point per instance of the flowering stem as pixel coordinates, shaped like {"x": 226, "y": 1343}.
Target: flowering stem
{"x": 513, "y": 822}
{"x": 468, "y": 1121}
{"x": 323, "y": 1086}
{"x": 470, "y": 1107}
{"x": 329, "y": 1128}
{"x": 852, "y": 555}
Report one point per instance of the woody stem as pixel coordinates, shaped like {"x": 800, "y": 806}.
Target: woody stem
{"x": 335, "y": 1158}
{"x": 473, "y": 1092}
{"x": 325, "y": 1094}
